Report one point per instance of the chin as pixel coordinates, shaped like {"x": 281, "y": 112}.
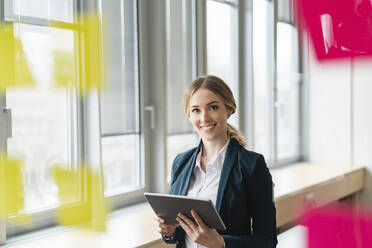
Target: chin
{"x": 208, "y": 138}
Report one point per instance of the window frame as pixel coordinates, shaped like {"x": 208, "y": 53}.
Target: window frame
{"x": 152, "y": 70}
{"x": 288, "y": 20}
{"x": 3, "y": 143}
{"x": 82, "y": 122}
{"x": 189, "y": 12}
{"x": 272, "y": 21}
{"x": 136, "y": 195}
{"x": 235, "y": 84}
{"x": 88, "y": 147}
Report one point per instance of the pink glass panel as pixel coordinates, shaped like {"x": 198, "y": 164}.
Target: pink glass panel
{"x": 338, "y": 227}
{"x": 338, "y": 28}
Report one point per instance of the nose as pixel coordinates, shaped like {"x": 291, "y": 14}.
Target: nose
{"x": 204, "y": 116}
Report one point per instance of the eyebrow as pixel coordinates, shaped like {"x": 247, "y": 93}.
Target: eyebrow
{"x": 213, "y": 102}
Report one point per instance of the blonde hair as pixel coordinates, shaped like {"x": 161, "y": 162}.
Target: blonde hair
{"x": 222, "y": 90}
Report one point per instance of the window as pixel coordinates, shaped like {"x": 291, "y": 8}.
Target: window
{"x": 181, "y": 56}
{"x": 276, "y": 85}
{"x": 288, "y": 91}
{"x": 44, "y": 116}
{"x": 41, "y": 114}
{"x": 120, "y": 110}
{"x": 135, "y": 127}
{"x": 44, "y": 9}
{"x": 263, "y": 81}
{"x": 287, "y": 85}
{"x": 222, "y": 45}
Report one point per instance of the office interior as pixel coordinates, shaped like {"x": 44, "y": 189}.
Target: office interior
{"x": 295, "y": 110}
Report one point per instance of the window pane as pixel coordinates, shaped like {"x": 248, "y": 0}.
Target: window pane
{"x": 285, "y": 10}
{"x": 120, "y": 126}
{"x": 287, "y": 92}
{"x": 263, "y": 88}
{"x": 61, "y": 10}
{"x": 41, "y": 115}
{"x": 181, "y": 50}
{"x": 222, "y": 45}
{"x": 120, "y": 163}
{"x": 177, "y": 144}
{"x": 181, "y": 59}
{"x": 120, "y": 99}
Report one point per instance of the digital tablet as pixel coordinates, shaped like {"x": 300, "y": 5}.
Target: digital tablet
{"x": 168, "y": 206}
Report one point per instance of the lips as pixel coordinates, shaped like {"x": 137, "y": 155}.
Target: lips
{"x": 207, "y": 127}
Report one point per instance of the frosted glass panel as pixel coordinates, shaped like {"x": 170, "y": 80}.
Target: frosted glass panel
{"x": 120, "y": 163}
{"x": 60, "y": 10}
{"x": 263, "y": 88}
{"x": 120, "y": 99}
{"x": 40, "y": 115}
{"x": 120, "y": 115}
{"x": 288, "y": 101}
{"x": 222, "y": 45}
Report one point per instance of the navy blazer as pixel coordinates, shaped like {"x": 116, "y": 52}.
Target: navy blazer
{"x": 245, "y": 194}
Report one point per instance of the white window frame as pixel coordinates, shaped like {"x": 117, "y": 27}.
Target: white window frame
{"x": 3, "y": 147}
{"x": 135, "y": 195}
{"x": 153, "y": 136}
{"x": 152, "y": 55}
{"x": 84, "y": 125}
{"x": 289, "y": 20}
{"x": 245, "y": 71}
{"x": 187, "y": 58}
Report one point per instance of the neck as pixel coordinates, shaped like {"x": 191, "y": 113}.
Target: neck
{"x": 212, "y": 148}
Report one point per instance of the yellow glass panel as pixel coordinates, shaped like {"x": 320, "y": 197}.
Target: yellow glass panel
{"x": 90, "y": 58}
{"x": 12, "y": 190}
{"x": 14, "y": 70}
{"x": 91, "y": 211}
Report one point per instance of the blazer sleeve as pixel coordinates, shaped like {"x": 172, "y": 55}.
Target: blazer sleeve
{"x": 177, "y": 236}
{"x": 262, "y": 208}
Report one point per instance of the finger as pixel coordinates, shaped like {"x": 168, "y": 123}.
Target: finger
{"x": 157, "y": 220}
{"x": 168, "y": 226}
{"x": 160, "y": 220}
{"x": 198, "y": 220}
{"x": 162, "y": 230}
{"x": 167, "y": 230}
{"x": 185, "y": 226}
{"x": 164, "y": 226}
{"x": 188, "y": 221}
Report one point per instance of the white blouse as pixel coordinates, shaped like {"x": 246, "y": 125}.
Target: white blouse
{"x": 205, "y": 184}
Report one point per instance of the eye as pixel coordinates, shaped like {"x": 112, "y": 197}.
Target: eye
{"x": 195, "y": 110}
{"x": 213, "y": 107}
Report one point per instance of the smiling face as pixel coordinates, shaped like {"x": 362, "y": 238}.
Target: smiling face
{"x": 208, "y": 114}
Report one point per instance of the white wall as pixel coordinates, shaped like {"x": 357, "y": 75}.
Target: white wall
{"x": 336, "y": 134}
{"x": 329, "y": 111}
{"x": 362, "y": 101}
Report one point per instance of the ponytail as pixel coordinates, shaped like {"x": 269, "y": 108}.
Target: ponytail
{"x": 234, "y": 133}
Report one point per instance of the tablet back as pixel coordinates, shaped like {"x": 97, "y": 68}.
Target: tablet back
{"x": 168, "y": 206}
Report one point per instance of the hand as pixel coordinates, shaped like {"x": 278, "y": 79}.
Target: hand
{"x": 164, "y": 228}
{"x": 199, "y": 232}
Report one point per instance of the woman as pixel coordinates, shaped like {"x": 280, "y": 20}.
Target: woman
{"x": 221, "y": 169}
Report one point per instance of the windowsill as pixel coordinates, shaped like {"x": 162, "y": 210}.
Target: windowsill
{"x": 316, "y": 184}
{"x": 135, "y": 227}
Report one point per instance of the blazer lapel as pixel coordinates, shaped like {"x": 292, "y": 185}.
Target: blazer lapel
{"x": 226, "y": 169}
{"x": 189, "y": 168}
